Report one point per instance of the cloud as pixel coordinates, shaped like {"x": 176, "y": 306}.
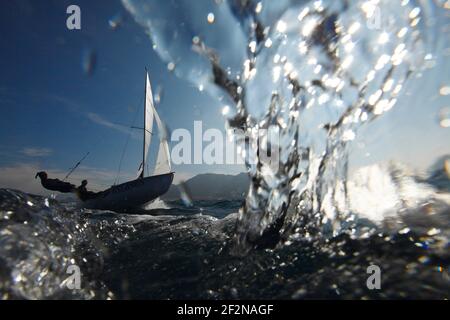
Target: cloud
{"x": 93, "y": 117}
{"x": 11, "y": 96}
{"x": 97, "y": 119}
{"x": 36, "y": 152}
{"x": 21, "y": 177}
{"x": 75, "y": 108}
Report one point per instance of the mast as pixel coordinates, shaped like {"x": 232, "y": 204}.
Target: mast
{"x": 145, "y": 119}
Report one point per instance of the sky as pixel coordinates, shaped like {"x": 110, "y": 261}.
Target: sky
{"x": 53, "y": 112}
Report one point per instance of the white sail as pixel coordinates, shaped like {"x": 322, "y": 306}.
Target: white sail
{"x": 163, "y": 160}
{"x": 148, "y": 126}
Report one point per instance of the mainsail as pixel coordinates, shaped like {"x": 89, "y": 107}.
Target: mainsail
{"x": 148, "y": 119}
{"x": 163, "y": 159}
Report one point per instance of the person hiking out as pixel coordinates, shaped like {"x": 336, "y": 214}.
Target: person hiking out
{"x": 54, "y": 184}
{"x": 83, "y": 192}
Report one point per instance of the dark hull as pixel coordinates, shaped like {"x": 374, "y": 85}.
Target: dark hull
{"x": 131, "y": 196}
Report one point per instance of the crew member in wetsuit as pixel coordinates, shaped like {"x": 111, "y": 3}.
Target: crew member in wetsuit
{"x": 83, "y": 193}
{"x": 54, "y": 184}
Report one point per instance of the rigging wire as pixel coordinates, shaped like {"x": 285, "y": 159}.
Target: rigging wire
{"x": 126, "y": 143}
{"x": 76, "y": 166}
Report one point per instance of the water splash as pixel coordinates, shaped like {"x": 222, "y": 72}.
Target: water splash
{"x": 314, "y": 71}
{"x": 157, "y": 204}
{"x": 40, "y": 239}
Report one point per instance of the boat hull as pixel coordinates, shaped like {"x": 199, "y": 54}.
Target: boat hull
{"x": 131, "y": 196}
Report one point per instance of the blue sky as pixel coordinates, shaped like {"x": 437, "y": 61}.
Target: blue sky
{"x": 52, "y": 112}
{"x": 49, "y": 105}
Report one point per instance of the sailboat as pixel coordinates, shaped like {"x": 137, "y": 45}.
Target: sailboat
{"x": 133, "y": 195}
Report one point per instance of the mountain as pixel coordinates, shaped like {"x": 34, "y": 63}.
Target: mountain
{"x": 210, "y": 186}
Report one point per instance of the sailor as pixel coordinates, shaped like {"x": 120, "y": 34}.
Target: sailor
{"x": 83, "y": 193}
{"x": 54, "y": 184}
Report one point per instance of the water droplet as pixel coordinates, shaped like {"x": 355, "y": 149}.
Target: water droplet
{"x": 324, "y": 98}
{"x": 88, "y": 61}
{"x": 433, "y": 232}
{"x": 348, "y": 135}
{"x": 276, "y": 58}
{"x": 225, "y": 110}
{"x": 384, "y": 38}
{"x": 388, "y": 85}
{"x": 445, "y": 90}
{"x": 309, "y": 27}
{"x": 447, "y": 5}
{"x": 349, "y": 46}
{"x": 281, "y": 26}
{"x": 258, "y": 7}
{"x": 171, "y": 66}
{"x": 402, "y": 32}
{"x": 288, "y": 67}
{"x": 368, "y": 8}
{"x": 195, "y": 40}
{"x": 159, "y": 95}
{"x": 252, "y": 46}
{"x": 303, "y": 14}
{"x": 347, "y": 62}
{"x": 382, "y": 61}
{"x": 415, "y": 22}
{"x": 404, "y": 230}
{"x": 423, "y": 259}
{"x": 444, "y": 117}
{"x": 317, "y": 69}
{"x": 373, "y": 99}
{"x": 249, "y": 72}
{"x": 211, "y": 18}
{"x": 382, "y": 106}
{"x": 115, "y": 22}
{"x": 302, "y": 47}
{"x": 414, "y": 13}
{"x": 354, "y": 27}
{"x": 276, "y": 73}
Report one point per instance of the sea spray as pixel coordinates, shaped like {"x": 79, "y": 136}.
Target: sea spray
{"x": 314, "y": 71}
{"x": 42, "y": 240}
